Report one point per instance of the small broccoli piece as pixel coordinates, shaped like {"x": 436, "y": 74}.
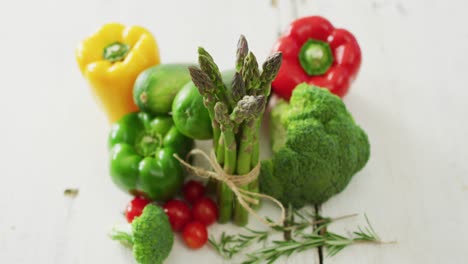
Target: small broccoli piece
{"x": 151, "y": 236}
{"x": 317, "y": 148}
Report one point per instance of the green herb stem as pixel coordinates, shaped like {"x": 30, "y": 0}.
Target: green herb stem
{"x": 230, "y": 245}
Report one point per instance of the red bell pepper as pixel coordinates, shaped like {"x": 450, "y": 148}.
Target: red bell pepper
{"x": 316, "y": 53}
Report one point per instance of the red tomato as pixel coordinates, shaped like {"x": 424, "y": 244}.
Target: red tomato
{"x": 193, "y": 190}
{"x": 135, "y": 208}
{"x": 205, "y": 211}
{"x": 178, "y": 213}
{"x": 195, "y": 235}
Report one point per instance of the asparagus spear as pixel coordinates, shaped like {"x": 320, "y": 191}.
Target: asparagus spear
{"x": 263, "y": 87}
{"x": 238, "y": 87}
{"x": 241, "y": 53}
{"x": 207, "y": 89}
{"x": 250, "y": 72}
{"x": 248, "y": 109}
{"x": 249, "y": 147}
{"x": 220, "y": 93}
{"x": 208, "y": 65}
{"x": 270, "y": 69}
{"x": 227, "y": 126}
{"x": 230, "y": 155}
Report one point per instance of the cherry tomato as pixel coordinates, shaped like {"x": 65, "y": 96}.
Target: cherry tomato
{"x": 135, "y": 208}
{"x": 195, "y": 234}
{"x": 178, "y": 213}
{"x": 205, "y": 211}
{"x": 193, "y": 190}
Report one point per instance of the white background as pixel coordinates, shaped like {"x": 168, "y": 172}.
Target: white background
{"x": 411, "y": 97}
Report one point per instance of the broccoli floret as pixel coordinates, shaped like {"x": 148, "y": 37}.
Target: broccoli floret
{"x": 317, "y": 148}
{"x": 151, "y": 236}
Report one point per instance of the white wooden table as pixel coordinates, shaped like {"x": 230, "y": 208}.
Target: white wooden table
{"x": 411, "y": 97}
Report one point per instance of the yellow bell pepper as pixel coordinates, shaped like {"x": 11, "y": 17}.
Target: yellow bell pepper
{"x": 111, "y": 60}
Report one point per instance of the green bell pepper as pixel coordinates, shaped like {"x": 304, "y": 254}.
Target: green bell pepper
{"x": 142, "y": 148}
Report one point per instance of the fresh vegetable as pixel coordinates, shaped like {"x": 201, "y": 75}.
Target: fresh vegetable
{"x": 179, "y": 214}
{"x": 190, "y": 115}
{"x": 135, "y": 208}
{"x": 205, "y": 211}
{"x": 111, "y": 60}
{"x": 193, "y": 191}
{"x": 195, "y": 235}
{"x": 151, "y": 236}
{"x": 236, "y": 115}
{"x": 317, "y": 148}
{"x": 156, "y": 87}
{"x": 229, "y": 246}
{"x": 142, "y": 148}
{"x": 316, "y": 53}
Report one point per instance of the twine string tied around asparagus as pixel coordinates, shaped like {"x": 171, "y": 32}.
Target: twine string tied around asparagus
{"x": 234, "y": 182}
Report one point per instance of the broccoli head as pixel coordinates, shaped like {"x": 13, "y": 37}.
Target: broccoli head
{"x": 317, "y": 148}
{"x": 151, "y": 238}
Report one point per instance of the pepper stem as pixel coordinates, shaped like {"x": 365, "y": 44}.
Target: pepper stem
{"x": 315, "y": 57}
{"x": 115, "y": 51}
{"x": 148, "y": 143}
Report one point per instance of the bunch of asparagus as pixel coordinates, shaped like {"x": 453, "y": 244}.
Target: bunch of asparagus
{"x": 236, "y": 114}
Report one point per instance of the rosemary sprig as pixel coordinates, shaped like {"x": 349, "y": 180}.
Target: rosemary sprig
{"x": 335, "y": 243}
{"x": 366, "y": 234}
{"x": 282, "y": 248}
{"x": 230, "y": 245}
{"x": 317, "y": 220}
{"x": 320, "y": 237}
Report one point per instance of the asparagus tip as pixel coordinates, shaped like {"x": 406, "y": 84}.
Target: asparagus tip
{"x": 241, "y": 53}
{"x": 201, "y": 80}
{"x": 271, "y": 68}
{"x": 242, "y": 44}
{"x": 238, "y": 86}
